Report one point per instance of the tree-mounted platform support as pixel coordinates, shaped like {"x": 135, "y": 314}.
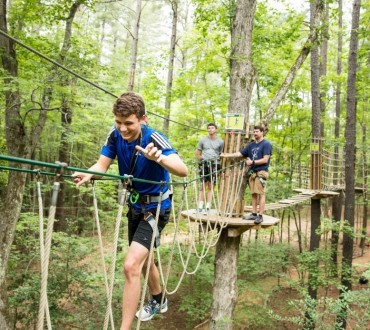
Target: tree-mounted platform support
{"x": 225, "y": 291}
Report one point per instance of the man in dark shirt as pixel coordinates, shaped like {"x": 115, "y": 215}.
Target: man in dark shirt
{"x": 257, "y": 154}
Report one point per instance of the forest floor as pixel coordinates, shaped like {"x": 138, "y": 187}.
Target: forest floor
{"x": 273, "y": 296}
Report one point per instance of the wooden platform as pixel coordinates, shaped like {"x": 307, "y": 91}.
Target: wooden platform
{"x": 236, "y": 226}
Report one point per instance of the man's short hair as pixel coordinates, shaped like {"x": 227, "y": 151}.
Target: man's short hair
{"x": 212, "y": 124}
{"x": 259, "y": 127}
{"x": 128, "y": 104}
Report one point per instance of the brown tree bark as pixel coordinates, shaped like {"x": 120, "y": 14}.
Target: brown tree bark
{"x": 225, "y": 290}
{"x": 337, "y": 201}
{"x": 242, "y": 72}
{"x": 350, "y": 146}
{"x": 65, "y": 116}
{"x": 316, "y": 133}
{"x": 167, "y": 105}
{"x": 242, "y": 79}
{"x": 135, "y": 42}
{"x": 19, "y": 144}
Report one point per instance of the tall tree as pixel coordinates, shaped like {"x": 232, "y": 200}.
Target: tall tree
{"x": 242, "y": 79}
{"x": 315, "y": 180}
{"x": 350, "y": 147}
{"x": 170, "y": 68}
{"x": 338, "y": 200}
{"x": 21, "y": 142}
{"x": 134, "y": 48}
{"x": 65, "y": 113}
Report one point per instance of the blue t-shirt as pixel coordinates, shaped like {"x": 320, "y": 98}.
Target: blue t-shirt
{"x": 142, "y": 168}
{"x": 256, "y": 151}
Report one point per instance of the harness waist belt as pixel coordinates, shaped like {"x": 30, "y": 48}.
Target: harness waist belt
{"x": 146, "y": 199}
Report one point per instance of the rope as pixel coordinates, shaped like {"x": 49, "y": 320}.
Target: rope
{"x": 44, "y": 306}
{"x": 121, "y": 203}
{"x": 45, "y": 264}
{"x": 149, "y": 261}
{"x": 107, "y": 287}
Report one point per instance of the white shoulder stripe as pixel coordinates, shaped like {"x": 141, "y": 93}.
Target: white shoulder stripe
{"x": 161, "y": 141}
{"x": 109, "y": 135}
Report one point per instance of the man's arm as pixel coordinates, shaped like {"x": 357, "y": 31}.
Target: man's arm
{"x": 172, "y": 163}
{"x": 101, "y": 165}
{"x": 261, "y": 161}
{"x": 232, "y": 155}
{"x": 198, "y": 154}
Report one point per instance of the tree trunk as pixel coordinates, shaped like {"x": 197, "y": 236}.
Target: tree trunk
{"x": 315, "y": 203}
{"x": 365, "y": 178}
{"x": 242, "y": 72}
{"x": 167, "y": 105}
{"x": 225, "y": 291}
{"x": 323, "y": 64}
{"x": 242, "y": 79}
{"x": 19, "y": 144}
{"x": 135, "y": 42}
{"x": 350, "y": 138}
{"x": 337, "y": 201}
{"x": 15, "y": 137}
{"x": 66, "y": 117}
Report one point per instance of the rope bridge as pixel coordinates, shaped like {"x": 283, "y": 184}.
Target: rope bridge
{"x": 332, "y": 167}
{"x": 207, "y": 226}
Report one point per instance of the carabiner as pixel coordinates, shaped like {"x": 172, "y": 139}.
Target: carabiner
{"x": 134, "y": 197}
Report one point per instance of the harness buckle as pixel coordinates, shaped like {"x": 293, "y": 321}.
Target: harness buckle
{"x": 145, "y": 199}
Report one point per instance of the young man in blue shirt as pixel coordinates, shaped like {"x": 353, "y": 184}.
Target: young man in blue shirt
{"x": 145, "y": 154}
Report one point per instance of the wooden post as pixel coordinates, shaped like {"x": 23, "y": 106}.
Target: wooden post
{"x": 229, "y": 197}
{"x": 316, "y": 164}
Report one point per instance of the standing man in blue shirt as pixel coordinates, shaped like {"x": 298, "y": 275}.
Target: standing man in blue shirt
{"x": 257, "y": 154}
{"x": 145, "y": 154}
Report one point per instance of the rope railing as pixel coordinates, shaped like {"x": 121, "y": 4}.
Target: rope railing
{"x": 209, "y": 232}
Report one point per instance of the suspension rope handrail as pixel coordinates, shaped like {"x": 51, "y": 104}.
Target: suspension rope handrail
{"x": 76, "y": 169}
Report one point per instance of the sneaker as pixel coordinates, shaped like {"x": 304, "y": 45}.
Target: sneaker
{"x": 258, "y": 219}
{"x": 152, "y": 308}
{"x": 206, "y": 211}
{"x": 250, "y": 216}
{"x": 200, "y": 210}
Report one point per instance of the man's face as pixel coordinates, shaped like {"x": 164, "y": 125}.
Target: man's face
{"x": 258, "y": 135}
{"x": 211, "y": 129}
{"x": 129, "y": 127}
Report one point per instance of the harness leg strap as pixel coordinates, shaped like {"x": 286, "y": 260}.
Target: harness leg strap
{"x": 150, "y": 219}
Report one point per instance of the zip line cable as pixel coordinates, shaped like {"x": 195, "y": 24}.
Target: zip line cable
{"x": 85, "y": 79}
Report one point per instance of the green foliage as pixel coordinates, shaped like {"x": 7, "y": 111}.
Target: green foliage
{"x": 75, "y": 292}
{"x": 324, "y": 311}
{"x": 261, "y": 260}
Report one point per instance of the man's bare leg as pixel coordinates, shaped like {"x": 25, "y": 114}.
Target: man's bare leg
{"x": 154, "y": 283}
{"x": 262, "y": 203}
{"x": 134, "y": 261}
{"x": 254, "y": 203}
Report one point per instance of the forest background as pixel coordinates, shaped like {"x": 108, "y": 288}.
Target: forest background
{"x": 176, "y": 54}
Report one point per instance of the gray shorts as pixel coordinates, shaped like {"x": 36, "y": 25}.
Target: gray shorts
{"x": 140, "y": 231}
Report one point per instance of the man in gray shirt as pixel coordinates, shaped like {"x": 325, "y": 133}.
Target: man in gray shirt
{"x": 208, "y": 154}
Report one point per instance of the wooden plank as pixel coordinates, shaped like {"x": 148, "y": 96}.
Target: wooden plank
{"x": 214, "y": 217}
